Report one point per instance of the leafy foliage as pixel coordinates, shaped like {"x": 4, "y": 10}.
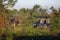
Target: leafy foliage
{"x": 27, "y": 21}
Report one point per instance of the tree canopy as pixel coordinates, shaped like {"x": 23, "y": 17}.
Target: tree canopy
{"x": 4, "y": 4}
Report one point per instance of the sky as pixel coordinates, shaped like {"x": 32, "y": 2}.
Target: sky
{"x": 30, "y": 3}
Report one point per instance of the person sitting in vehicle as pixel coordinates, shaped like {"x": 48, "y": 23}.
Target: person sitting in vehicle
{"x": 37, "y": 23}
{"x": 41, "y": 23}
{"x": 45, "y": 22}
{"x": 48, "y": 22}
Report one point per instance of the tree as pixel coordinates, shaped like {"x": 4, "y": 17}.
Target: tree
{"x": 34, "y": 9}
{"x": 43, "y": 12}
{"x": 55, "y": 19}
{"x": 4, "y": 4}
{"x": 38, "y": 11}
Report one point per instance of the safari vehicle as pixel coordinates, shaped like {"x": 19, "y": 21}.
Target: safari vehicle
{"x": 44, "y": 21}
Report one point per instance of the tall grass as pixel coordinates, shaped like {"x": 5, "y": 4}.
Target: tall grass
{"x": 10, "y": 31}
